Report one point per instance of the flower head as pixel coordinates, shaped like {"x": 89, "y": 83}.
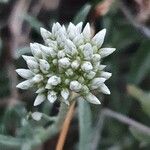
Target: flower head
{"x": 70, "y": 61}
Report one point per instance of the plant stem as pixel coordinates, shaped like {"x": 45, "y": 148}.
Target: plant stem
{"x": 65, "y": 128}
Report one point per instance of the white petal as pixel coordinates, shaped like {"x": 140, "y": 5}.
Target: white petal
{"x": 32, "y": 65}
{"x": 52, "y": 96}
{"x": 35, "y": 49}
{"x": 91, "y": 75}
{"x": 101, "y": 67}
{"x": 97, "y": 82}
{"x": 37, "y": 78}
{"x": 87, "y": 51}
{"x": 106, "y": 75}
{"x": 98, "y": 39}
{"x": 26, "y": 58}
{"x": 61, "y": 54}
{"x": 69, "y": 72}
{"x": 64, "y": 62}
{"x": 45, "y": 33}
{"x": 25, "y": 73}
{"x": 75, "y": 86}
{"x": 87, "y": 31}
{"x": 65, "y": 94}
{"x": 92, "y": 99}
{"x": 86, "y": 66}
{"x": 78, "y": 40}
{"x": 96, "y": 58}
{"x": 44, "y": 65}
{"x": 39, "y": 99}
{"x": 40, "y": 90}
{"x": 104, "y": 89}
{"x": 75, "y": 64}
{"x": 106, "y": 51}
{"x": 48, "y": 50}
{"x": 55, "y": 28}
{"x": 70, "y": 48}
{"x": 79, "y": 27}
{"x": 54, "y": 80}
{"x": 36, "y": 116}
{"x": 25, "y": 84}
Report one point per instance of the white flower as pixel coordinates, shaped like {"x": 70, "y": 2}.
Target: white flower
{"x": 106, "y": 51}
{"x": 86, "y": 66}
{"x": 64, "y": 62}
{"x": 98, "y": 39}
{"x": 36, "y": 116}
{"x": 39, "y": 99}
{"x": 54, "y": 80}
{"x": 25, "y": 73}
{"x": 75, "y": 86}
{"x": 92, "y": 99}
{"x": 52, "y": 96}
{"x": 25, "y": 84}
{"x": 70, "y": 61}
{"x": 44, "y": 65}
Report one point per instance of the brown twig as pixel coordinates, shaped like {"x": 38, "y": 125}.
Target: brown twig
{"x": 65, "y": 128}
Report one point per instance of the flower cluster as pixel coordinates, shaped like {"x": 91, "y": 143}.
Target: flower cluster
{"x": 70, "y": 61}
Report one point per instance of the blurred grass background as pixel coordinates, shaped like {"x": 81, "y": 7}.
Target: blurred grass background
{"x": 128, "y": 30}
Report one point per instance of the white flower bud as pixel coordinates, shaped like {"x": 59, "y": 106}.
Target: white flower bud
{"x": 106, "y": 75}
{"x": 85, "y": 89}
{"x": 52, "y": 96}
{"x": 45, "y": 33}
{"x": 55, "y": 28}
{"x": 67, "y": 81}
{"x": 101, "y": 67}
{"x": 75, "y": 64}
{"x": 78, "y": 40}
{"x": 55, "y": 61}
{"x": 25, "y": 73}
{"x": 36, "y": 116}
{"x": 39, "y": 99}
{"x": 69, "y": 72}
{"x": 86, "y": 66}
{"x": 92, "y": 99}
{"x": 87, "y": 51}
{"x": 35, "y": 49}
{"x": 54, "y": 80}
{"x": 40, "y": 90}
{"x": 61, "y": 54}
{"x": 65, "y": 94}
{"x": 44, "y": 65}
{"x": 97, "y": 82}
{"x": 25, "y": 84}
{"x": 70, "y": 48}
{"x": 87, "y": 32}
{"x": 104, "y": 89}
{"x": 79, "y": 27}
{"x": 81, "y": 79}
{"x": 96, "y": 57}
{"x": 106, "y": 51}
{"x": 37, "y": 78}
{"x": 90, "y": 75}
{"x": 64, "y": 62}
{"x": 48, "y": 51}
{"x": 26, "y": 58}
{"x": 98, "y": 39}
{"x": 33, "y": 65}
{"x": 75, "y": 86}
